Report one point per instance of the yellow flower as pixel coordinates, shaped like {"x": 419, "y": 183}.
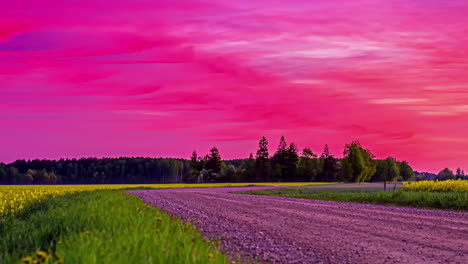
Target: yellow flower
{"x": 438, "y": 186}
{"x": 210, "y": 255}
{"x": 26, "y": 260}
{"x": 41, "y": 255}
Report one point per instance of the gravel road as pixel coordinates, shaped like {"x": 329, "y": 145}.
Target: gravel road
{"x": 288, "y": 230}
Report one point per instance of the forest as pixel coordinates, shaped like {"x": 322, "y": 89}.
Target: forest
{"x": 285, "y": 164}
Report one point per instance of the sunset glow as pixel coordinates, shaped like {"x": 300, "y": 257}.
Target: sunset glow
{"x": 162, "y": 78}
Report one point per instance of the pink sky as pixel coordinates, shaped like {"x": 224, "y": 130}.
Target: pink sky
{"x": 162, "y": 78}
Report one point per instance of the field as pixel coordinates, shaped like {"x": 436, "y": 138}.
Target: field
{"x": 415, "y": 195}
{"x": 438, "y": 186}
{"x": 103, "y": 227}
{"x": 20, "y": 198}
{"x": 194, "y": 223}
{"x": 97, "y": 224}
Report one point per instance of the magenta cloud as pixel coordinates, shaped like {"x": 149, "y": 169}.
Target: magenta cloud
{"x": 162, "y": 78}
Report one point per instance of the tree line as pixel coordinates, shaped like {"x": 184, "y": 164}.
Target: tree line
{"x": 287, "y": 165}
{"x": 94, "y": 170}
{"x": 284, "y": 164}
{"x": 445, "y": 174}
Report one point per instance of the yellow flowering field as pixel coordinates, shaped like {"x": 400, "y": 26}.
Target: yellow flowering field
{"x": 14, "y": 198}
{"x": 438, "y": 186}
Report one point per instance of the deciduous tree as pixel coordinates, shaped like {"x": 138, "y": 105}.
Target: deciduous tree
{"x": 406, "y": 172}
{"x": 445, "y": 174}
{"x": 358, "y": 164}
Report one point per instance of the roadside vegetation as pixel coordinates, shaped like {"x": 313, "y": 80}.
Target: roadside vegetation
{"x": 438, "y": 186}
{"x": 448, "y": 200}
{"x": 98, "y": 224}
{"x": 21, "y": 199}
{"x": 102, "y": 226}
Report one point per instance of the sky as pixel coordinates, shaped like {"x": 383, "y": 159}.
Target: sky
{"x": 163, "y": 78}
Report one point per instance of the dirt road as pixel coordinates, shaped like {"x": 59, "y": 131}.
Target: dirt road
{"x": 287, "y": 230}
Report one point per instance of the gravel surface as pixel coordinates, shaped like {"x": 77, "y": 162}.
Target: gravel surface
{"x": 288, "y": 230}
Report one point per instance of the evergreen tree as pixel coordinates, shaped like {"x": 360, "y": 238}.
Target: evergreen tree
{"x": 330, "y": 169}
{"x": 280, "y": 160}
{"x": 262, "y": 161}
{"x": 214, "y": 161}
{"x": 326, "y": 152}
{"x": 249, "y": 174}
{"x": 346, "y": 171}
{"x": 194, "y": 160}
{"x": 291, "y": 163}
{"x": 262, "y": 152}
{"x": 282, "y": 146}
{"x": 307, "y": 153}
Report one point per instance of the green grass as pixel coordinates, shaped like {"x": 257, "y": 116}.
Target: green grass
{"x": 104, "y": 227}
{"x": 428, "y": 200}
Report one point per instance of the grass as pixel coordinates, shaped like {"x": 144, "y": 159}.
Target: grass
{"x": 428, "y": 200}
{"x": 20, "y": 199}
{"x": 103, "y": 227}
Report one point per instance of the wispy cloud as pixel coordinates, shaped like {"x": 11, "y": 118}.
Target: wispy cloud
{"x": 391, "y": 73}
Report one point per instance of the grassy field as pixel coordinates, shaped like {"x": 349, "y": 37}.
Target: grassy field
{"x": 102, "y": 227}
{"x": 98, "y": 224}
{"x": 373, "y": 194}
{"x": 19, "y": 199}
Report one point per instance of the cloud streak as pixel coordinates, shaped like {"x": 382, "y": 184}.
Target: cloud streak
{"x": 164, "y": 77}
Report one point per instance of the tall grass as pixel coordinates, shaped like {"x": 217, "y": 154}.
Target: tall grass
{"x": 103, "y": 227}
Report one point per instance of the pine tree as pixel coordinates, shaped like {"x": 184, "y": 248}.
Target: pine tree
{"x": 326, "y": 152}
{"x": 214, "y": 161}
{"x": 249, "y": 174}
{"x": 282, "y": 145}
{"x": 262, "y": 161}
{"x": 291, "y": 163}
{"x": 307, "y": 152}
{"x": 194, "y": 160}
{"x": 262, "y": 152}
{"x": 280, "y": 160}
